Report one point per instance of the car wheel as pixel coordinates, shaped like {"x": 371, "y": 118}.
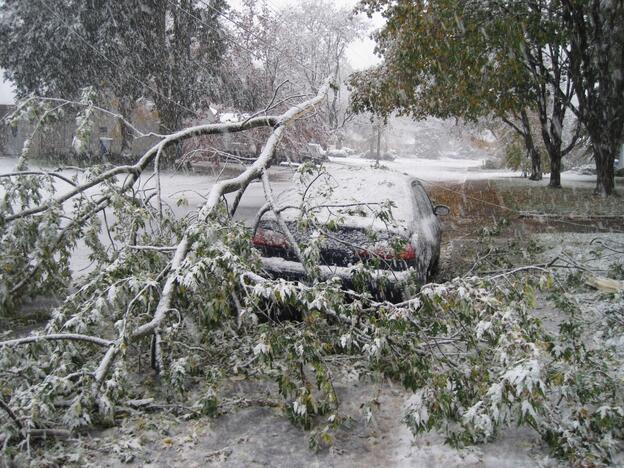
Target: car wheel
{"x": 434, "y": 268}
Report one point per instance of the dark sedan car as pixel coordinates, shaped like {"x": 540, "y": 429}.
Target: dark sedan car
{"x": 357, "y": 216}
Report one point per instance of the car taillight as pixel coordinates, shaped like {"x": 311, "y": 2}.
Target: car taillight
{"x": 388, "y": 253}
{"x": 268, "y": 238}
{"x": 408, "y": 254}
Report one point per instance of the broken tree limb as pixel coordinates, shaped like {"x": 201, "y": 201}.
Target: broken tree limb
{"x": 568, "y": 217}
{"x": 255, "y": 170}
{"x": 56, "y": 337}
{"x": 268, "y": 193}
{"x": 208, "y": 209}
{"x": 41, "y": 173}
{"x": 603, "y": 284}
{"x": 99, "y": 206}
{"x": 137, "y": 169}
{"x": 11, "y": 414}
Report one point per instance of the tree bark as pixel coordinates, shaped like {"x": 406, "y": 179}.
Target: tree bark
{"x": 127, "y": 137}
{"x": 536, "y": 162}
{"x": 378, "y": 144}
{"x": 604, "y": 156}
{"x": 596, "y": 64}
{"x": 555, "y": 169}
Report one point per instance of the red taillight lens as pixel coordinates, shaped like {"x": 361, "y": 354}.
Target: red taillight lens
{"x": 408, "y": 254}
{"x": 386, "y": 252}
{"x": 268, "y": 238}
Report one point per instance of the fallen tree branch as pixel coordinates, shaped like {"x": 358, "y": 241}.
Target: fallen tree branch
{"x": 45, "y": 433}
{"x": 137, "y": 169}
{"x": 63, "y": 102}
{"x": 207, "y": 210}
{"x": 11, "y": 414}
{"x": 57, "y": 337}
{"x": 100, "y": 205}
{"x": 268, "y": 193}
{"x": 42, "y": 173}
{"x": 152, "y": 248}
{"x": 570, "y": 217}
{"x": 520, "y": 270}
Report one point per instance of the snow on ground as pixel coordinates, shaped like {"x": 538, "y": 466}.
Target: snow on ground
{"x": 461, "y": 170}
{"x": 262, "y": 436}
{"x": 597, "y": 256}
{"x": 430, "y": 170}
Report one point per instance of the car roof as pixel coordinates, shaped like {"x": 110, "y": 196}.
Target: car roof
{"x": 355, "y": 194}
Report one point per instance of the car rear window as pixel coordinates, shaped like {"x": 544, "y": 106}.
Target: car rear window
{"x": 354, "y": 194}
{"x": 422, "y": 202}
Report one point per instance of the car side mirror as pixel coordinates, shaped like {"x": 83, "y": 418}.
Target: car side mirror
{"x": 441, "y": 210}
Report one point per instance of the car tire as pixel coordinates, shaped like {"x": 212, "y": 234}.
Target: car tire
{"x": 434, "y": 268}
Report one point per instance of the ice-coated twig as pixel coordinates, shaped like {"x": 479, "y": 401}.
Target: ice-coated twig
{"x": 43, "y": 173}
{"x": 135, "y": 170}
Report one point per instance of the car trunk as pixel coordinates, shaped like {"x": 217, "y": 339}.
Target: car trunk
{"x": 343, "y": 247}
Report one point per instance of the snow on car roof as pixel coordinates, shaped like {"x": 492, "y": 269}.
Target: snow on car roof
{"x": 354, "y": 194}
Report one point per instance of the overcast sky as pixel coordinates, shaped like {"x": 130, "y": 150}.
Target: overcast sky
{"x": 360, "y": 54}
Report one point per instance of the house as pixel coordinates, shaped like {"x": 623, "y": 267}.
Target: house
{"x": 56, "y": 140}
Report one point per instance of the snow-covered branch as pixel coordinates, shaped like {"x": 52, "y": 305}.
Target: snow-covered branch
{"x": 134, "y": 171}
{"x": 56, "y": 337}
{"x": 208, "y": 209}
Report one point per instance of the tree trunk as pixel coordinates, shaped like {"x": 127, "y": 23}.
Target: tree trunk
{"x": 552, "y": 140}
{"x": 536, "y": 162}
{"x": 555, "y": 169}
{"x": 378, "y": 144}
{"x": 127, "y": 137}
{"x": 596, "y": 59}
{"x": 605, "y": 142}
{"x": 170, "y": 122}
{"x": 604, "y": 156}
